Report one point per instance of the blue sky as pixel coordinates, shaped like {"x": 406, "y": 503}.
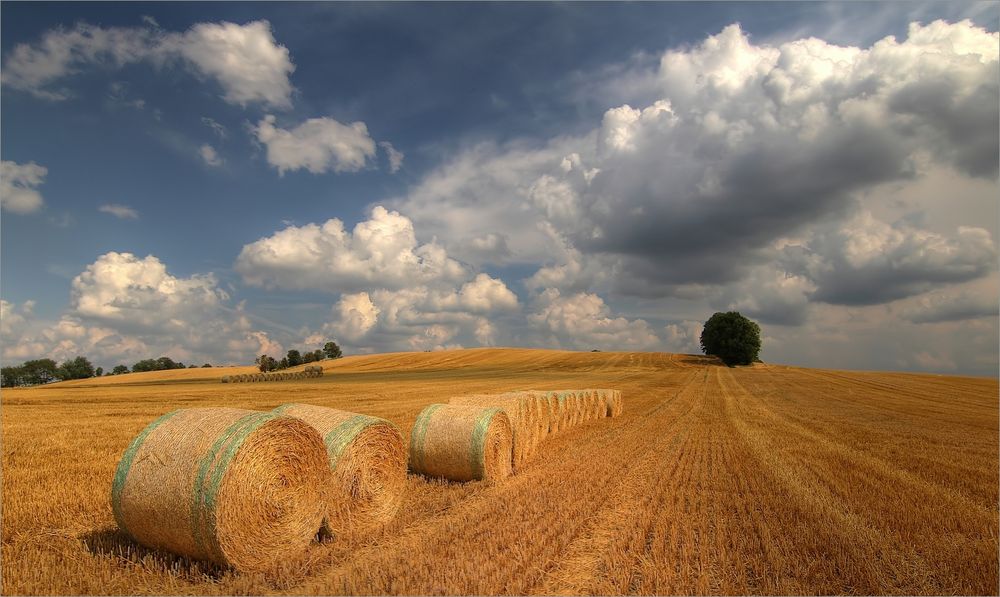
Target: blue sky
{"x": 575, "y": 175}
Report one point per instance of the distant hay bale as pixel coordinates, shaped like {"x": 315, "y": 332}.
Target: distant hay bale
{"x": 235, "y": 487}
{"x": 461, "y": 443}
{"x": 520, "y": 417}
{"x": 368, "y": 460}
{"x": 225, "y": 379}
{"x": 538, "y": 407}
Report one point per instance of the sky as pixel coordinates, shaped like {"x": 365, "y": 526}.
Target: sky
{"x": 215, "y": 181}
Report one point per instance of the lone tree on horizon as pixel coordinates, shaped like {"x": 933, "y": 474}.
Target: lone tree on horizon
{"x": 731, "y": 337}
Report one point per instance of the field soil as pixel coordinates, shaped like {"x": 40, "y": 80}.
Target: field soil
{"x": 757, "y": 480}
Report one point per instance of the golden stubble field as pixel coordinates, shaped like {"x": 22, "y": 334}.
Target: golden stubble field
{"x": 770, "y": 479}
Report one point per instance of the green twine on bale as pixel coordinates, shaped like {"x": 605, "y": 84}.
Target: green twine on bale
{"x": 477, "y": 452}
{"x": 125, "y": 465}
{"x": 418, "y": 434}
{"x": 342, "y": 435}
{"x": 203, "y": 519}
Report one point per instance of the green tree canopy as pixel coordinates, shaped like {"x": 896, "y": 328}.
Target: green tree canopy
{"x": 731, "y": 337}
{"x": 39, "y": 371}
{"x": 332, "y": 351}
{"x": 266, "y": 363}
{"x": 78, "y": 368}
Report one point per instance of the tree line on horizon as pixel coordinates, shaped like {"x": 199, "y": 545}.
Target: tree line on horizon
{"x": 42, "y": 371}
{"x": 295, "y": 358}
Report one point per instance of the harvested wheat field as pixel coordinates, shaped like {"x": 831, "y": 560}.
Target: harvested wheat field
{"x": 767, "y": 480}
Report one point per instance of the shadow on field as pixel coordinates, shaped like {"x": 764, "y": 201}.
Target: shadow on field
{"x": 112, "y": 542}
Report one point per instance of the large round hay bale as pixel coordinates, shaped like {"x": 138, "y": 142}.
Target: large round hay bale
{"x": 461, "y": 443}
{"x": 225, "y": 379}
{"x": 235, "y": 487}
{"x": 368, "y": 460}
{"x": 519, "y": 416}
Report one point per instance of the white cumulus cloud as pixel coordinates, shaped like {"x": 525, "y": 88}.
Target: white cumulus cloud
{"x": 317, "y": 145}
{"x": 118, "y": 210}
{"x": 209, "y": 155}
{"x": 381, "y": 252}
{"x": 246, "y": 61}
{"x": 585, "y": 321}
{"x": 19, "y": 186}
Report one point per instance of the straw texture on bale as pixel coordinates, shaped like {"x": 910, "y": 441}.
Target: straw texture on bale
{"x": 225, "y": 379}
{"x": 235, "y": 487}
{"x": 519, "y": 416}
{"x": 538, "y": 407}
{"x": 461, "y": 443}
{"x": 614, "y": 403}
{"x": 368, "y": 462}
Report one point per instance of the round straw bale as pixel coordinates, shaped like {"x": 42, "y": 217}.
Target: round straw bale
{"x": 585, "y": 405}
{"x": 602, "y": 403}
{"x": 555, "y": 417}
{"x": 595, "y": 405}
{"x": 235, "y": 487}
{"x": 562, "y": 408}
{"x": 461, "y": 443}
{"x": 590, "y": 405}
{"x": 571, "y": 407}
{"x": 519, "y": 418}
{"x": 225, "y": 379}
{"x": 368, "y": 460}
{"x": 539, "y": 410}
{"x": 613, "y": 400}
{"x": 541, "y": 404}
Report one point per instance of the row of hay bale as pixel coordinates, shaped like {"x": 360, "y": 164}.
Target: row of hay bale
{"x": 252, "y": 489}
{"x": 489, "y": 436}
{"x": 308, "y": 372}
